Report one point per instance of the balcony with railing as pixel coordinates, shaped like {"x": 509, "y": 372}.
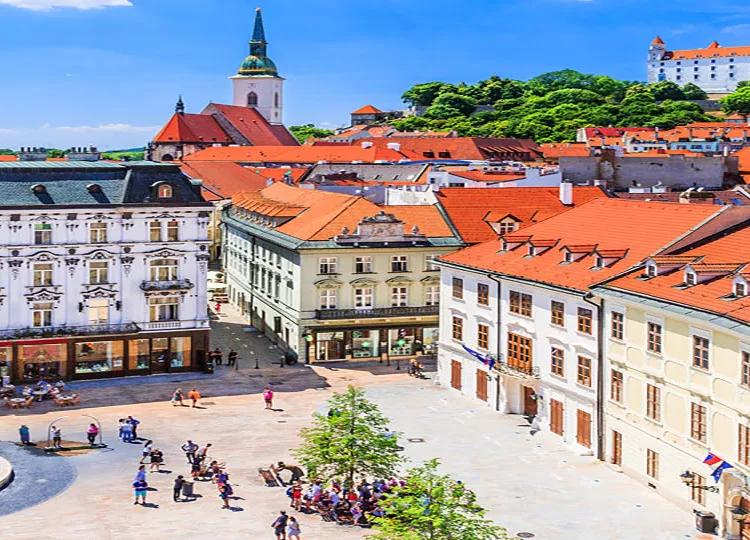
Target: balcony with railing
{"x": 515, "y": 368}
{"x": 69, "y": 331}
{"x": 371, "y": 313}
{"x": 167, "y": 285}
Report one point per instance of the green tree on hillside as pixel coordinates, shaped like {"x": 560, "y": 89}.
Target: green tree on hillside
{"x": 738, "y": 101}
{"x": 304, "y": 132}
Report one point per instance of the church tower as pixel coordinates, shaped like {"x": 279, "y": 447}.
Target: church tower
{"x": 257, "y": 83}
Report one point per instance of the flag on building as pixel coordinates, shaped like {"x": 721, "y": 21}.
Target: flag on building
{"x": 712, "y": 460}
{"x": 720, "y": 469}
{"x": 721, "y": 465}
{"x": 486, "y": 359}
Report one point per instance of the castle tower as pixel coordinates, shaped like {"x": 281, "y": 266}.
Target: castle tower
{"x": 656, "y": 49}
{"x": 257, "y": 83}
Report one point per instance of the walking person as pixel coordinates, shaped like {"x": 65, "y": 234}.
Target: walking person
{"x": 56, "y": 437}
{"x": 217, "y": 308}
{"x": 146, "y": 451}
{"x": 126, "y": 428}
{"x": 140, "y": 487}
{"x": 194, "y": 396}
{"x": 232, "y": 358}
{"x": 294, "y": 529}
{"x": 91, "y": 434}
{"x": 177, "y": 488}
{"x": 224, "y": 496}
{"x": 203, "y": 454}
{"x": 134, "y": 425}
{"x": 268, "y": 397}
{"x": 190, "y": 448}
{"x": 279, "y": 525}
{"x": 177, "y": 398}
{"x": 157, "y": 458}
{"x": 25, "y": 434}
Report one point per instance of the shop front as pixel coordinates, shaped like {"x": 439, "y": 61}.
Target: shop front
{"x": 373, "y": 343}
{"x": 28, "y": 361}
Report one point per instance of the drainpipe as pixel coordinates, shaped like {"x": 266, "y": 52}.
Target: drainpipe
{"x": 494, "y": 277}
{"x": 599, "y": 375}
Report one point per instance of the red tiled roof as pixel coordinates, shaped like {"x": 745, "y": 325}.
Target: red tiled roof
{"x": 657, "y": 41}
{"x": 456, "y": 148}
{"x": 489, "y": 176}
{"x": 335, "y": 153}
{"x": 223, "y": 179}
{"x": 641, "y": 228}
{"x": 367, "y": 109}
{"x": 321, "y": 215}
{"x": 192, "y": 128}
{"x": 713, "y": 50}
{"x": 253, "y": 125}
{"x": 557, "y": 150}
{"x": 8, "y": 157}
{"x": 712, "y": 295}
{"x": 277, "y": 174}
{"x": 472, "y": 209}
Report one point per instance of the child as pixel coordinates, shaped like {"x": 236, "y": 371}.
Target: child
{"x": 139, "y": 487}
{"x": 177, "y": 397}
{"x": 268, "y": 397}
{"x": 194, "y": 396}
{"x": 293, "y": 529}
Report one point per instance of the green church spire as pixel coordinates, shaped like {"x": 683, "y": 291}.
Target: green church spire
{"x": 257, "y": 63}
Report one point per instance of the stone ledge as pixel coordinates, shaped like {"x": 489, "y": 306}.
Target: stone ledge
{"x": 6, "y": 473}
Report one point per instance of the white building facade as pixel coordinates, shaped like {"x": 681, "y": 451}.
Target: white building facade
{"x": 92, "y": 289}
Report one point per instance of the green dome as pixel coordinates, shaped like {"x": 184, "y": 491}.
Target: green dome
{"x": 258, "y": 65}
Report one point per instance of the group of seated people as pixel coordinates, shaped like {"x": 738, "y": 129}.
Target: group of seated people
{"x": 355, "y": 506}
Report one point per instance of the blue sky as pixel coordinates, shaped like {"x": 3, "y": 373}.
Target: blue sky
{"x": 108, "y": 72}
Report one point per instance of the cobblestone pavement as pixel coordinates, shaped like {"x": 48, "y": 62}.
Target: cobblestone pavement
{"x": 531, "y": 484}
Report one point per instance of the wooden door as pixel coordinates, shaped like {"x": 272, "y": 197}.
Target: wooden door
{"x": 583, "y": 434}
{"x": 616, "y": 448}
{"x": 529, "y": 401}
{"x": 456, "y": 374}
{"x": 482, "y": 385}
{"x": 556, "y": 421}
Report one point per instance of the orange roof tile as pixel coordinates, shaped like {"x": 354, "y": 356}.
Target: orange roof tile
{"x": 558, "y": 150}
{"x": 489, "y": 176}
{"x": 223, "y": 179}
{"x": 644, "y": 228}
{"x": 367, "y": 109}
{"x": 321, "y": 215}
{"x": 192, "y": 128}
{"x": 253, "y": 125}
{"x": 713, "y": 50}
{"x": 335, "y": 153}
{"x": 8, "y": 157}
{"x": 471, "y": 210}
{"x": 457, "y": 148}
{"x": 713, "y": 295}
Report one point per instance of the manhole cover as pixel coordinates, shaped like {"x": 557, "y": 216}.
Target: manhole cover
{"x": 525, "y": 535}
{"x": 416, "y": 440}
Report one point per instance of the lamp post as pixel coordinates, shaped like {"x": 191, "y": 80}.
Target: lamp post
{"x": 308, "y": 341}
{"x": 688, "y": 478}
{"x": 253, "y": 355}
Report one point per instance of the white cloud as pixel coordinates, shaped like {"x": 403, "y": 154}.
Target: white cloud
{"x": 743, "y": 28}
{"x": 46, "y": 5}
{"x": 112, "y": 135}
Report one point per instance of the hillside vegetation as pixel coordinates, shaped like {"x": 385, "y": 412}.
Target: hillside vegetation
{"x": 550, "y": 107}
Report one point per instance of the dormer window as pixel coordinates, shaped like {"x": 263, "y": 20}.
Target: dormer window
{"x": 740, "y": 289}
{"x": 599, "y": 262}
{"x": 532, "y": 251}
{"x": 690, "y": 278}
{"x": 164, "y": 191}
{"x": 38, "y": 189}
{"x": 568, "y": 257}
{"x": 651, "y": 270}
{"x": 94, "y": 188}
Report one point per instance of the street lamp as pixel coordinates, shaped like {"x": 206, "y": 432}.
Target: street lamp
{"x": 308, "y": 341}
{"x": 688, "y": 478}
{"x": 253, "y": 355}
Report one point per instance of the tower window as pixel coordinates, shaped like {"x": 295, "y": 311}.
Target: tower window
{"x": 164, "y": 191}
{"x": 252, "y": 99}
{"x": 276, "y": 99}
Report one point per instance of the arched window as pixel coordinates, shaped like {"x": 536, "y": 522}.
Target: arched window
{"x": 164, "y": 191}
{"x": 276, "y": 99}
{"x": 252, "y": 99}
{"x": 167, "y": 157}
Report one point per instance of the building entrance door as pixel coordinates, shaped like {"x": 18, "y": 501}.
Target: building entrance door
{"x": 583, "y": 435}
{"x": 530, "y": 407}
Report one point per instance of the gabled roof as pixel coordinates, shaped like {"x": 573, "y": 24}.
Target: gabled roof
{"x": 192, "y": 128}
{"x": 223, "y": 179}
{"x": 641, "y": 228}
{"x": 456, "y": 148}
{"x": 321, "y": 215}
{"x": 305, "y": 154}
{"x": 469, "y": 208}
{"x": 367, "y": 109}
{"x": 252, "y": 125}
{"x": 713, "y": 50}
{"x": 713, "y": 295}
{"x": 489, "y": 176}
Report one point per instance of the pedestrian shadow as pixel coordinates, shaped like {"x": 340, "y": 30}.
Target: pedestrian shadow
{"x": 164, "y": 471}
{"x": 198, "y": 407}
{"x": 150, "y": 505}
{"x": 236, "y": 509}
{"x": 277, "y": 410}
{"x": 151, "y": 489}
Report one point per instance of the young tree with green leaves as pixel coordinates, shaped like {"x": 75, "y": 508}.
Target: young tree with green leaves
{"x": 352, "y": 440}
{"x": 433, "y": 506}
{"x": 738, "y": 101}
{"x": 304, "y": 132}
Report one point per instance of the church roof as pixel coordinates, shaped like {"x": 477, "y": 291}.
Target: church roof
{"x": 253, "y": 125}
{"x": 192, "y": 128}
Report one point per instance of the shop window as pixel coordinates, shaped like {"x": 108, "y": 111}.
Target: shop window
{"x": 41, "y": 314}
{"x": 180, "y": 352}
{"x": 329, "y": 346}
{"x": 98, "y": 311}
{"x": 98, "y": 272}
{"x": 365, "y": 343}
{"x": 173, "y": 231}
{"x": 42, "y": 233}
{"x": 430, "y": 338}
{"x": 98, "y": 233}
{"x": 42, "y": 361}
{"x": 6, "y": 364}
{"x": 163, "y": 270}
{"x": 164, "y": 308}
{"x": 401, "y": 341}
{"x": 99, "y": 356}
{"x": 42, "y": 274}
{"x": 139, "y": 351}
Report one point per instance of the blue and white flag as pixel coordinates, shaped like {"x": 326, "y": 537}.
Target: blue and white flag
{"x": 720, "y": 469}
{"x": 486, "y": 359}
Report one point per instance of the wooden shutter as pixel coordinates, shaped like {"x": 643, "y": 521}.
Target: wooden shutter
{"x": 617, "y": 448}
{"x": 556, "y": 417}
{"x": 482, "y": 385}
{"x": 456, "y": 374}
{"x": 583, "y": 434}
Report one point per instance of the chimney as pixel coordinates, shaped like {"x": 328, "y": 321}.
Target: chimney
{"x": 366, "y": 144}
{"x": 396, "y": 147}
{"x": 566, "y": 193}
